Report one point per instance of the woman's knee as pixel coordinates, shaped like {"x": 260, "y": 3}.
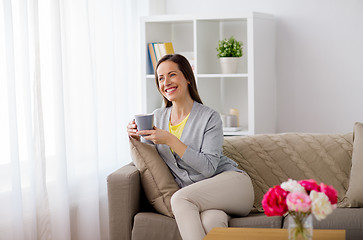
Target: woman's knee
{"x": 213, "y": 218}
{"x": 180, "y": 201}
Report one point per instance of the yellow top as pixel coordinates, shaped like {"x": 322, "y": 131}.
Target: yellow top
{"x": 177, "y": 130}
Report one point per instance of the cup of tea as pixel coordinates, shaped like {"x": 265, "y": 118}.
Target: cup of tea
{"x": 144, "y": 121}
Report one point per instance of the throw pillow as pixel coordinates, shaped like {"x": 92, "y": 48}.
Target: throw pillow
{"x": 355, "y": 190}
{"x": 270, "y": 159}
{"x": 157, "y": 181}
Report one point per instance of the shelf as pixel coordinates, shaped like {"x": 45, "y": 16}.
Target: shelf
{"x": 236, "y": 133}
{"x": 252, "y": 90}
{"x": 222, "y": 75}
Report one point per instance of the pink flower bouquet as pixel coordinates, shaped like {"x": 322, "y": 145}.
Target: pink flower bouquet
{"x": 299, "y": 199}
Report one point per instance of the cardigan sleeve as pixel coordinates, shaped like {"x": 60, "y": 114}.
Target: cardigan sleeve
{"x": 206, "y": 159}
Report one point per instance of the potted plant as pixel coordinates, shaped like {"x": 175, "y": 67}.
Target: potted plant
{"x": 229, "y": 53}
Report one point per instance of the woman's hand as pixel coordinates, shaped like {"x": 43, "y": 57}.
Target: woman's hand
{"x": 157, "y": 135}
{"x": 160, "y": 136}
{"x": 132, "y": 130}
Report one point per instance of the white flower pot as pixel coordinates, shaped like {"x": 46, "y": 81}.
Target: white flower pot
{"x": 229, "y": 64}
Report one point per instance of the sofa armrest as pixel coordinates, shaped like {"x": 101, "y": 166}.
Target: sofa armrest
{"x": 123, "y": 187}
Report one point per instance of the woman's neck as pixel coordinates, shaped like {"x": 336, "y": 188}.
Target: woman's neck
{"x": 180, "y": 111}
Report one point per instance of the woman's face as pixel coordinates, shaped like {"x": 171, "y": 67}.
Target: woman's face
{"x": 172, "y": 83}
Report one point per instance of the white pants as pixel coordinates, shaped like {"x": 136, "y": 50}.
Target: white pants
{"x": 204, "y": 205}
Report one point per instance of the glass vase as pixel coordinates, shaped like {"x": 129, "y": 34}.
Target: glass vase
{"x": 300, "y": 226}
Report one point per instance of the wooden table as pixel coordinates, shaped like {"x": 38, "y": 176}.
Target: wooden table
{"x": 268, "y": 233}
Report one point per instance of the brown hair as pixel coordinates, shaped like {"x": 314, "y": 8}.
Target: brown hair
{"x": 186, "y": 69}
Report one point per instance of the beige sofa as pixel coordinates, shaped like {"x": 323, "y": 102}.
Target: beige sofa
{"x": 269, "y": 160}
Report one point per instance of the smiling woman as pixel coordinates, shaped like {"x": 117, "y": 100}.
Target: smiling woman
{"x": 63, "y": 98}
{"x": 188, "y": 136}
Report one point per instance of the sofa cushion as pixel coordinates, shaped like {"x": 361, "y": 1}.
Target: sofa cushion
{"x": 259, "y": 220}
{"x": 271, "y": 159}
{"x": 148, "y": 225}
{"x": 158, "y": 183}
{"x": 355, "y": 190}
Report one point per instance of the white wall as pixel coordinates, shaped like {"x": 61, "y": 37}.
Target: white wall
{"x": 319, "y": 61}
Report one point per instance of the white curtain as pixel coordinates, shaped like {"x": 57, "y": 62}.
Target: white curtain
{"x": 69, "y": 80}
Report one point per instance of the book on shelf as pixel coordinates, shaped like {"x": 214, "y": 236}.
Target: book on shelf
{"x": 157, "y": 50}
{"x": 169, "y": 48}
{"x": 152, "y": 55}
{"x": 162, "y": 49}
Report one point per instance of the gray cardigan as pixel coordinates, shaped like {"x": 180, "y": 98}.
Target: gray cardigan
{"x": 203, "y": 135}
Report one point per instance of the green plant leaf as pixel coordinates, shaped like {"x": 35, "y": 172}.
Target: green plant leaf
{"x": 229, "y": 48}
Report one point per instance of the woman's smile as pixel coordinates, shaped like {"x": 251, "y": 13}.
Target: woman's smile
{"x": 170, "y": 90}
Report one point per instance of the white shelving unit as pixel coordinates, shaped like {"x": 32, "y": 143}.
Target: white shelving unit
{"x": 252, "y": 90}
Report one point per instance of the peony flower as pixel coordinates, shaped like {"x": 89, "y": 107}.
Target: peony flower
{"x": 300, "y": 199}
{"x": 292, "y": 186}
{"x": 298, "y": 202}
{"x": 309, "y": 185}
{"x": 274, "y": 202}
{"x": 330, "y": 192}
{"x": 320, "y": 205}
